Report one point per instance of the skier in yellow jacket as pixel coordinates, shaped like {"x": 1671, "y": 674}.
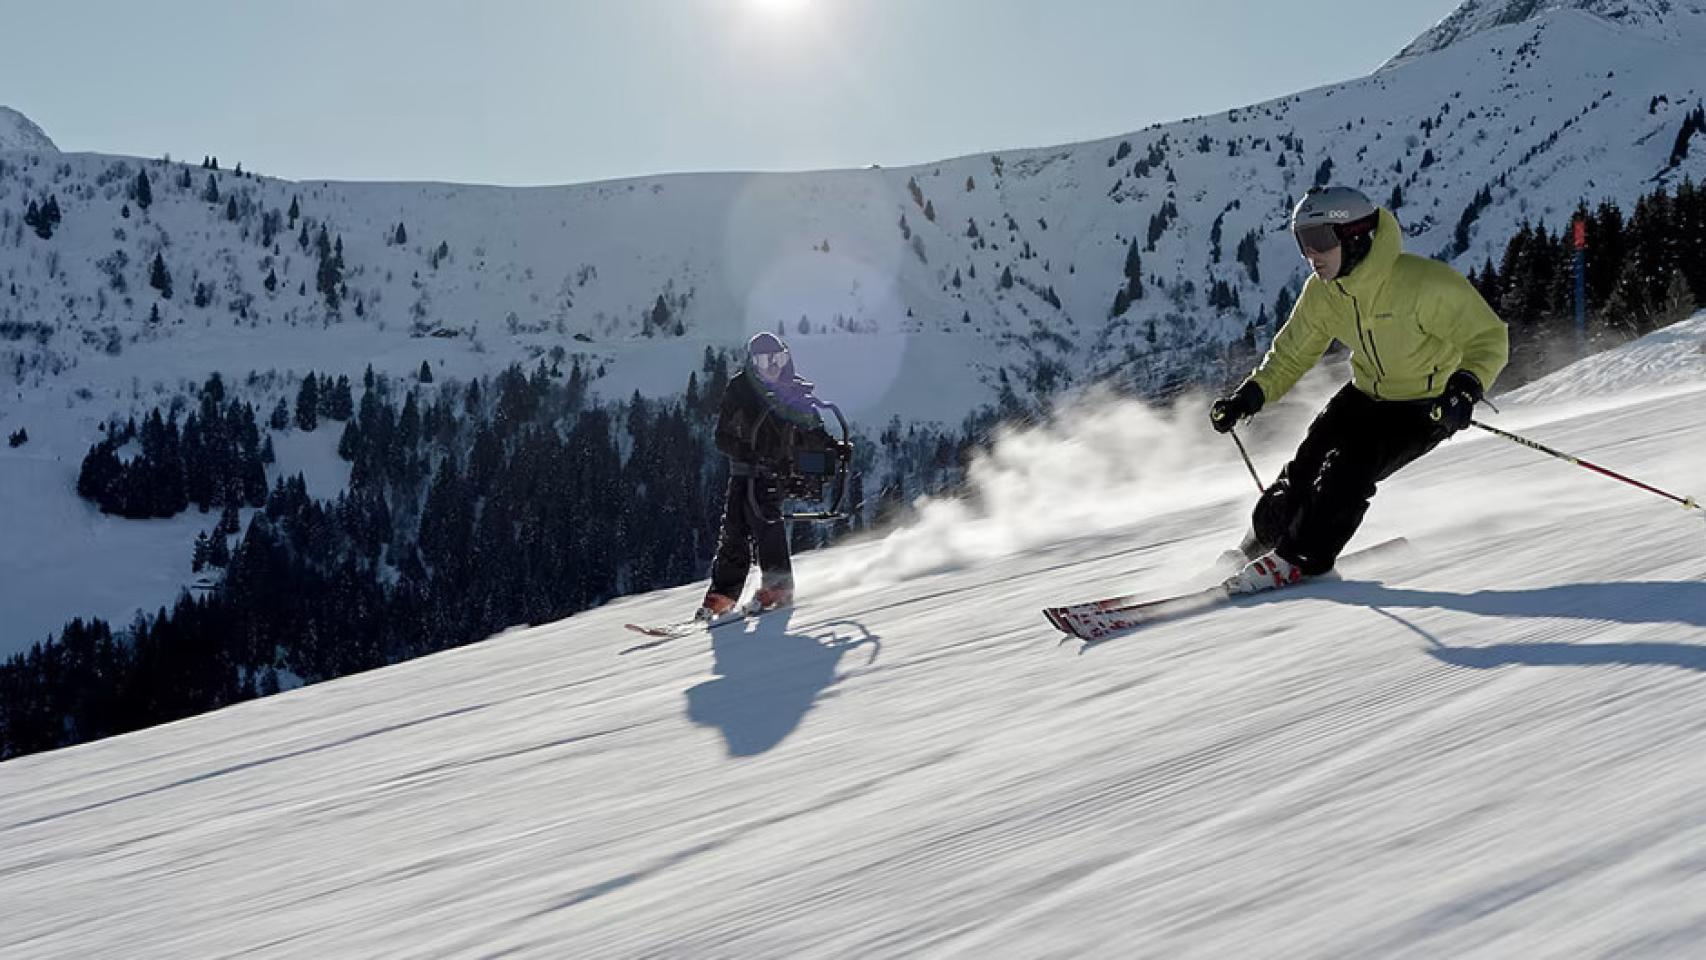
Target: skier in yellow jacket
{"x": 1424, "y": 348}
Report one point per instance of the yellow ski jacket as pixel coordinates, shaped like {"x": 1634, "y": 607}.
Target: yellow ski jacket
{"x": 1410, "y": 322}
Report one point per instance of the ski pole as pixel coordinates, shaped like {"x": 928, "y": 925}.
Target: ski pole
{"x": 1246, "y": 455}
{"x": 1688, "y": 503}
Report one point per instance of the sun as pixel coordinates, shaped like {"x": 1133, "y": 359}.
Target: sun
{"x": 778, "y": 8}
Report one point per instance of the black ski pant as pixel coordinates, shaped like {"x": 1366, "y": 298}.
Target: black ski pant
{"x": 743, "y": 529}
{"x": 1316, "y": 505}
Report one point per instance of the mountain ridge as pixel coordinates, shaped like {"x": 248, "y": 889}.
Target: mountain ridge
{"x": 1476, "y": 16}
{"x": 18, "y": 132}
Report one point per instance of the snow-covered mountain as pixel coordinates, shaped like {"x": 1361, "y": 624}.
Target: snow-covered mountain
{"x": 1486, "y": 746}
{"x": 918, "y": 293}
{"x": 913, "y": 289}
{"x": 1656, "y": 18}
{"x": 18, "y": 132}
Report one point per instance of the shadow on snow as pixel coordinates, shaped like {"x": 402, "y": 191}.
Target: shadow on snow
{"x": 769, "y": 678}
{"x": 1635, "y": 602}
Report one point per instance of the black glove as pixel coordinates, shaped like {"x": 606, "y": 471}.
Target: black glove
{"x": 1224, "y": 414}
{"x": 1453, "y": 409}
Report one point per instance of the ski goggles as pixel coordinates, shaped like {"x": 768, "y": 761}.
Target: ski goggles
{"x": 770, "y": 364}
{"x": 1317, "y": 238}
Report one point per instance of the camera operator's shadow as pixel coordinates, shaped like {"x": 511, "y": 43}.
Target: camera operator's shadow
{"x": 768, "y": 679}
{"x": 1680, "y": 603}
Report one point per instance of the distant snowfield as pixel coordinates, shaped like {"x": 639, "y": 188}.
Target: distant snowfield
{"x": 1486, "y": 746}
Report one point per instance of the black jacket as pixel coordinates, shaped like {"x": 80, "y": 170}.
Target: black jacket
{"x": 760, "y": 425}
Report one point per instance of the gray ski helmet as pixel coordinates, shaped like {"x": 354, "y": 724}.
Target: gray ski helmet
{"x": 1329, "y": 217}
{"x": 767, "y": 354}
{"x": 765, "y": 342}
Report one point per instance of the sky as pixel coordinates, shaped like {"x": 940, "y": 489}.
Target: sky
{"x": 566, "y": 91}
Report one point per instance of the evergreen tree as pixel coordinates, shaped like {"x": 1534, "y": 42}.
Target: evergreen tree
{"x": 338, "y": 402}
{"x": 143, "y": 191}
{"x": 425, "y": 375}
{"x": 1133, "y": 273}
{"x": 219, "y": 553}
{"x": 1692, "y": 123}
{"x": 32, "y": 219}
{"x": 229, "y": 521}
{"x": 658, "y": 318}
{"x": 1678, "y": 302}
{"x": 280, "y": 419}
{"x": 330, "y": 275}
{"x": 160, "y": 278}
{"x": 401, "y": 237}
{"x": 1250, "y": 255}
{"x": 198, "y": 558}
{"x": 308, "y": 404}
{"x": 210, "y": 193}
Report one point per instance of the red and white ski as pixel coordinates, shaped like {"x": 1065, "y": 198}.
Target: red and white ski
{"x": 1101, "y": 619}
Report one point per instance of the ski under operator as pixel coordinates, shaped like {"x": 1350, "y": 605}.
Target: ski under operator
{"x": 765, "y": 411}
{"x": 1424, "y": 349}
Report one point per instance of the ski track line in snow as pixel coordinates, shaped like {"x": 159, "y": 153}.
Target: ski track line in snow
{"x": 1462, "y": 689}
{"x": 310, "y": 746}
{"x": 745, "y": 830}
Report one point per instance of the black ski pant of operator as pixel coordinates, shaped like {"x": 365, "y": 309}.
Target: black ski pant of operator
{"x": 744, "y": 528}
{"x": 1316, "y": 505}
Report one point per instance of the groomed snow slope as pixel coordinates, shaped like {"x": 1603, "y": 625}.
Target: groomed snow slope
{"x": 1488, "y": 746}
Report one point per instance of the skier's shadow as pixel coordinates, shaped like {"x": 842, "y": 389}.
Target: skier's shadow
{"x": 768, "y": 679}
{"x": 1676, "y": 602}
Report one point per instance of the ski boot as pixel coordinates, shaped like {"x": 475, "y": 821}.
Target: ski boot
{"x": 1267, "y": 572}
{"x": 769, "y": 598}
{"x": 1231, "y": 562}
{"x": 715, "y": 605}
